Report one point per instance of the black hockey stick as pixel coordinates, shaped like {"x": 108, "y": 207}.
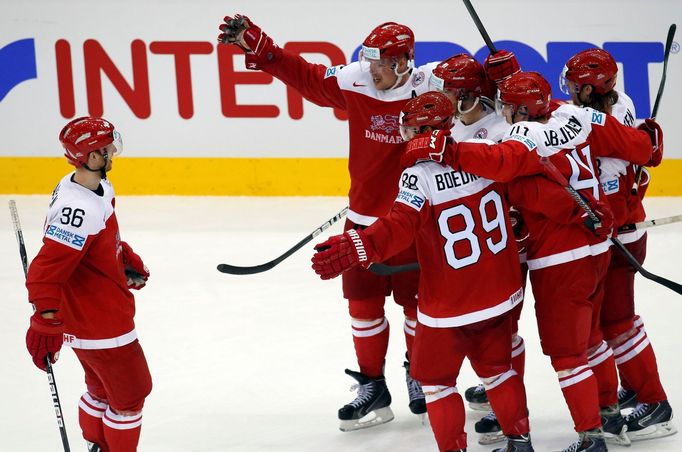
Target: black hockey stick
{"x": 237, "y": 270}
{"x": 555, "y": 174}
{"x": 649, "y": 223}
{"x": 50, "y": 373}
{"x": 654, "y": 111}
{"x": 479, "y": 25}
{"x": 386, "y": 270}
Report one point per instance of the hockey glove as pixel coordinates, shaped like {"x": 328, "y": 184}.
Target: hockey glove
{"x": 605, "y": 227}
{"x": 341, "y": 252}
{"x": 501, "y": 65}
{"x": 655, "y": 133}
{"x": 44, "y": 336}
{"x": 428, "y": 146}
{"x": 136, "y": 272}
{"x": 240, "y": 31}
{"x": 519, "y": 228}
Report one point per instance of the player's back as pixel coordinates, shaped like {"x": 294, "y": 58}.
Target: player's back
{"x": 467, "y": 253}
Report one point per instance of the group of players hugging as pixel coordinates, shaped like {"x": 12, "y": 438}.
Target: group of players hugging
{"x": 461, "y": 167}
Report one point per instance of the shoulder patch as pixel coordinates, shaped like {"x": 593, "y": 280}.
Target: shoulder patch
{"x": 598, "y": 118}
{"x": 530, "y": 144}
{"x": 332, "y": 71}
{"x": 65, "y": 237}
{"x": 409, "y": 198}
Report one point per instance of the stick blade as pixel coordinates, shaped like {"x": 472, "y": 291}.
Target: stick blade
{"x": 236, "y": 270}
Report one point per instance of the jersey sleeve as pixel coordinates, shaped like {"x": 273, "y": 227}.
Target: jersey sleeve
{"x": 610, "y": 138}
{"x": 316, "y": 82}
{"x": 397, "y": 230}
{"x": 501, "y": 162}
{"x": 69, "y": 229}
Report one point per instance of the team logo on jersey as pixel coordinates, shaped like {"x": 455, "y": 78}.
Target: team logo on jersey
{"x": 68, "y": 238}
{"x": 418, "y": 79}
{"x": 481, "y": 133}
{"x": 611, "y": 186}
{"x": 409, "y": 198}
{"x": 384, "y": 123}
{"x": 598, "y": 118}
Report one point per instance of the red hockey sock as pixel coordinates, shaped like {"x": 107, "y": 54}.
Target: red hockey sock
{"x": 579, "y": 387}
{"x": 410, "y": 325}
{"x": 518, "y": 356}
{"x": 638, "y": 368}
{"x": 122, "y": 432}
{"x": 90, "y": 413}
{"x": 604, "y": 368}
{"x": 370, "y": 338}
{"x": 446, "y": 416}
{"x": 507, "y": 397}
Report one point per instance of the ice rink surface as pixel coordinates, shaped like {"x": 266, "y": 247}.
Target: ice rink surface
{"x": 255, "y": 363}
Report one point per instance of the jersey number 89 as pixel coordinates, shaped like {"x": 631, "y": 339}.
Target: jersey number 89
{"x": 467, "y": 234}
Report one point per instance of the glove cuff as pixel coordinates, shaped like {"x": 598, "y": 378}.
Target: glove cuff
{"x": 358, "y": 244}
{"x": 48, "y": 327}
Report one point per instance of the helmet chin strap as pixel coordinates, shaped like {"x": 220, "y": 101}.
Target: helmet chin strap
{"x": 400, "y": 75}
{"x": 469, "y": 110}
{"x": 103, "y": 169}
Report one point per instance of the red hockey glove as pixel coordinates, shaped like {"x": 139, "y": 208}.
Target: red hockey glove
{"x": 44, "y": 336}
{"x": 240, "y": 31}
{"x": 501, "y": 65}
{"x": 341, "y": 252}
{"x": 135, "y": 270}
{"x": 606, "y": 226}
{"x": 655, "y": 133}
{"x": 427, "y": 146}
{"x": 519, "y": 228}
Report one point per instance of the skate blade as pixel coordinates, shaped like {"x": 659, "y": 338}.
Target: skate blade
{"x": 620, "y": 439}
{"x": 371, "y": 419}
{"x": 653, "y": 432}
{"x": 480, "y": 406}
{"x": 486, "y": 439}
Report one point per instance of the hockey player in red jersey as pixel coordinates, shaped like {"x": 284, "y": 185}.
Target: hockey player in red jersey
{"x": 79, "y": 284}
{"x": 372, "y": 91}
{"x": 463, "y": 236}
{"x": 464, "y": 81}
{"x": 589, "y": 78}
{"x": 566, "y": 263}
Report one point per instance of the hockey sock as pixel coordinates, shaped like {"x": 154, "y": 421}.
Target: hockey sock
{"x": 507, "y": 398}
{"x": 122, "y": 432}
{"x": 604, "y": 368}
{"x": 446, "y": 416}
{"x": 580, "y": 392}
{"x": 370, "y": 338}
{"x": 638, "y": 368}
{"x": 90, "y": 413}
{"x": 410, "y": 325}
{"x": 518, "y": 356}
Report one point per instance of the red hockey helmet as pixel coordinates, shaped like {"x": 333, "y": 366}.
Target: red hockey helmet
{"x": 431, "y": 109}
{"x": 460, "y": 72}
{"x": 526, "y": 89}
{"x": 594, "y": 67}
{"x": 389, "y": 39}
{"x": 87, "y": 134}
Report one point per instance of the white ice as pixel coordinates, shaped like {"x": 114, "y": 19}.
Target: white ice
{"x": 255, "y": 363}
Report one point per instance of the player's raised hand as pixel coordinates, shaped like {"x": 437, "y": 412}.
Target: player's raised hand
{"x": 44, "y": 336}
{"x": 341, "y": 252}
{"x": 427, "y": 146}
{"x": 500, "y": 66}
{"x": 240, "y": 31}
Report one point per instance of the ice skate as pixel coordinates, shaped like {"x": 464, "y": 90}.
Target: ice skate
{"x": 477, "y": 398}
{"x": 371, "y": 407}
{"x": 414, "y": 390}
{"x": 650, "y": 421}
{"x": 627, "y": 398}
{"x": 589, "y": 441}
{"x": 613, "y": 424}
{"x": 489, "y": 430}
{"x": 520, "y": 443}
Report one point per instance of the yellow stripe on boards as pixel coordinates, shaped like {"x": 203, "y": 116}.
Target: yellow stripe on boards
{"x": 231, "y": 176}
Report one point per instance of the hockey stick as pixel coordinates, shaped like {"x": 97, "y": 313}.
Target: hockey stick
{"x": 237, "y": 270}
{"x": 654, "y": 111}
{"x": 555, "y": 174}
{"x": 387, "y": 270}
{"x": 481, "y": 28}
{"x": 50, "y": 373}
{"x": 649, "y": 223}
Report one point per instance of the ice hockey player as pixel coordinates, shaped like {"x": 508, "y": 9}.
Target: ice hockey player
{"x": 371, "y": 91}
{"x": 79, "y": 284}
{"x": 463, "y": 236}
{"x": 464, "y": 81}
{"x": 589, "y": 78}
{"x": 567, "y": 263}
